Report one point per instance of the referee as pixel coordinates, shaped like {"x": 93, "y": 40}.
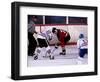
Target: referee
{"x": 31, "y": 30}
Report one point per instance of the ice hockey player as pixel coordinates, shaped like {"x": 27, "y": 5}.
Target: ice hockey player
{"x": 82, "y": 44}
{"x": 42, "y": 39}
{"x": 63, "y": 37}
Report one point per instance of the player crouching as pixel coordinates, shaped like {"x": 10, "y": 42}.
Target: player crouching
{"x": 42, "y": 39}
{"x": 63, "y": 37}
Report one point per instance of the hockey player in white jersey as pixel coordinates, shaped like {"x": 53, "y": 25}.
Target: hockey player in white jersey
{"x": 43, "y": 39}
{"x": 82, "y": 45}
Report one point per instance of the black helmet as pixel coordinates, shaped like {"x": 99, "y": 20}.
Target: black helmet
{"x": 53, "y": 29}
{"x": 81, "y": 36}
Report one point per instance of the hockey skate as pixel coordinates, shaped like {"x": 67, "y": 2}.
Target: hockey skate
{"x": 51, "y": 57}
{"x": 35, "y": 57}
{"x": 48, "y": 56}
{"x": 62, "y": 53}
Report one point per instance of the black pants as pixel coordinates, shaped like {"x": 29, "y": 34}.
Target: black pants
{"x": 42, "y": 43}
{"x": 67, "y": 38}
{"x": 82, "y": 52}
{"x": 32, "y": 44}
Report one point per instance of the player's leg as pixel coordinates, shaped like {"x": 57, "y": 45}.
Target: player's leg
{"x": 43, "y": 43}
{"x": 85, "y": 52}
{"x": 48, "y": 49}
{"x": 63, "y": 51}
{"x": 57, "y": 46}
{"x": 54, "y": 48}
{"x": 39, "y": 48}
{"x": 66, "y": 39}
{"x": 81, "y": 53}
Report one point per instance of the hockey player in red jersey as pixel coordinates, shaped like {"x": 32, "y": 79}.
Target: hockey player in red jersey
{"x": 63, "y": 37}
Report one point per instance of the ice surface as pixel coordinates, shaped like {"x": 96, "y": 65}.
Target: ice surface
{"x": 71, "y": 58}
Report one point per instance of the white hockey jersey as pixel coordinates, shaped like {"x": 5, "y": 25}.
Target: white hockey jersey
{"x": 45, "y": 34}
{"x": 82, "y": 43}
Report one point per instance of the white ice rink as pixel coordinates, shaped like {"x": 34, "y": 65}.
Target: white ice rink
{"x": 71, "y": 58}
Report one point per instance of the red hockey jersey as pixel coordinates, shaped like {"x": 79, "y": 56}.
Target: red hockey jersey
{"x": 63, "y": 37}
